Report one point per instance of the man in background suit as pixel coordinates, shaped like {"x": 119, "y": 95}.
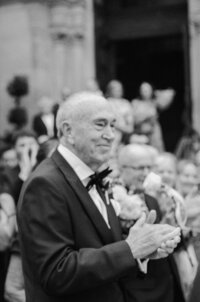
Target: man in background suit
{"x": 71, "y": 243}
{"x": 44, "y": 122}
{"x": 161, "y": 283}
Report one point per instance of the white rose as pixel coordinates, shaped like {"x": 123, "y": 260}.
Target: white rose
{"x": 152, "y": 184}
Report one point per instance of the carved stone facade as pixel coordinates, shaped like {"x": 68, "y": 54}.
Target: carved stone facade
{"x": 194, "y": 25}
{"x": 50, "y": 41}
{"x": 68, "y": 19}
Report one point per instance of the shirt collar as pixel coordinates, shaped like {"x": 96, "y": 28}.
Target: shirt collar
{"x": 80, "y": 168}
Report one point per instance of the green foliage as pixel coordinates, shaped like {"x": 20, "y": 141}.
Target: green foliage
{"x": 18, "y": 86}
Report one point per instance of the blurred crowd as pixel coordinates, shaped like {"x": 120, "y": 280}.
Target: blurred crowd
{"x": 140, "y": 166}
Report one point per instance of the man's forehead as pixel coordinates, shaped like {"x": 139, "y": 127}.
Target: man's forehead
{"x": 107, "y": 115}
{"x": 100, "y": 111}
{"x": 144, "y": 158}
{"x": 138, "y": 157}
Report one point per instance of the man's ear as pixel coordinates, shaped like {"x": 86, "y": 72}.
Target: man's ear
{"x": 67, "y": 132}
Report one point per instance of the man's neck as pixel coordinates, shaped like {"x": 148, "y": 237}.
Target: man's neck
{"x": 93, "y": 166}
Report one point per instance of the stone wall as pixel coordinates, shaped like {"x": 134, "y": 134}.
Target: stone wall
{"x": 194, "y": 26}
{"x": 15, "y": 52}
{"x": 51, "y": 42}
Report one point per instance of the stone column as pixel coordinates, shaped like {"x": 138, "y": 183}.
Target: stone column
{"x": 41, "y": 48}
{"x": 89, "y": 49}
{"x": 78, "y": 14}
{"x": 73, "y": 40}
{"x": 194, "y": 28}
{"x": 60, "y": 31}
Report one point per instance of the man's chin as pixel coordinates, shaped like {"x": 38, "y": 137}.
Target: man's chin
{"x": 103, "y": 158}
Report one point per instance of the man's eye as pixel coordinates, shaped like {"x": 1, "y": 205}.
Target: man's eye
{"x": 100, "y": 124}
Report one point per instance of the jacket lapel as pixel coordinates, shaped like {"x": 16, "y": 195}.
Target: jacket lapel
{"x": 92, "y": 211}
{"x": 114, "y": 223}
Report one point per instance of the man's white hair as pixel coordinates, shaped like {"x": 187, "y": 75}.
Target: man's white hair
{"x": 75, "y": 108}
{"x": 132, "y": 151}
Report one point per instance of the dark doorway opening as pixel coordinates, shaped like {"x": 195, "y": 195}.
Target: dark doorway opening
{"x": 160, "y": 61}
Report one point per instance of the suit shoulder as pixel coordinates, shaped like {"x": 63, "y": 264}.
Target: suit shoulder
{"x": 46, "y": 172}
{"x": 45, "y": 178}
{"x": 46, "y": 167}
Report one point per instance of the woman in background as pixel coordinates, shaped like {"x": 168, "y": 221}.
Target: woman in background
{"x": 7, "y": 227}
{"x": 151, "y": 101}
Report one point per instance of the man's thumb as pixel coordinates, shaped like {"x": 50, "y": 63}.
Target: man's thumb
{"x": 140, "y": 222}
{"x": 151, "y": 218}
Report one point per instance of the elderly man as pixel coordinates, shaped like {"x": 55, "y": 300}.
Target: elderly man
{"x": 72, "y": 249}
{"x": 161, "y": 283}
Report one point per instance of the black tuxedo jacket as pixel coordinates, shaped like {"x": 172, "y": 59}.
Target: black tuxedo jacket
{"x": 161, "y": 283}
{"x": 68, "y": 252}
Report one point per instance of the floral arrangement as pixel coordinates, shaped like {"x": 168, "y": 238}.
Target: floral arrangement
{"x": 192, "y": 203}
{"x": 130, "y": 206}
{"x": 170, "y": 201}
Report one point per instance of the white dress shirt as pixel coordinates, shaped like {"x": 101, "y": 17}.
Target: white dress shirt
{"x": 84, "y": 172}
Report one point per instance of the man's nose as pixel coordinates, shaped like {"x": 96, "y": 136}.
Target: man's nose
{"x": 109, "y": 133}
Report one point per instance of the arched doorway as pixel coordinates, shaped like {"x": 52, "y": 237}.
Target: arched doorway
{"x": 160, "y": 61}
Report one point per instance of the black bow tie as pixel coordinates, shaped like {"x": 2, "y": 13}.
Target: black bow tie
{"x": 98, "y": 179}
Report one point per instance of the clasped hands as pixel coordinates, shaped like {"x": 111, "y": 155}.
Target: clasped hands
{"x": 152, "y": 241}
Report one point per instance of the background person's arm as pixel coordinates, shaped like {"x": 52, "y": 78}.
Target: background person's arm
{"x": 14, "y": 285}
{"x": 7, "y": 220}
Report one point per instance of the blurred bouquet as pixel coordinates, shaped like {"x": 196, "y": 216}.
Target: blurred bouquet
{"x": 5, "y": 198}
{"x": 174, "y": 211}
{"x": 171, "y": 203}
{"x": 130, "y": 206}
{"x": 192, "y": 203}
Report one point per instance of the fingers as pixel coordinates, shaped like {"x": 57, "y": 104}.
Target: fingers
{"x": 24, "y": 158}
{"x": 141, "y": 221}
{"x": 171, "y": 243}
{"x": 166, "y": 248}
{"x": 169, "y": 246}
{"x": 161, "y": 253}
{"x": 165, "y": 251}
{"x": 34, "y": 152}
{"x": 166, "y": 229}
{"x": 173, "y": 235}
{"x": 151, "y": 218}
{"x": 28, "y": 155}
{"x": 168, "y": 238}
